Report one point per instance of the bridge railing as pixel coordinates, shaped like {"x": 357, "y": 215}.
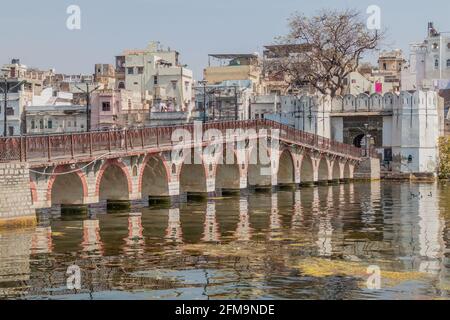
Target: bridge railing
{"x": 62, "y": 146}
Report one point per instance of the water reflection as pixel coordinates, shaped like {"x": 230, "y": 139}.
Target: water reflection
{"x": 242, "y": 247}
{"x": 211, "y": 226}
{"x": 275, "y": 218}
{"x": 41, "y": 241}
{"x": 135, "y": 242}
{"x": 174, "y": 232}
{"x": 297, "y": 216}
{"x": 243, "y": 230}
{"x": 92, "y": 244}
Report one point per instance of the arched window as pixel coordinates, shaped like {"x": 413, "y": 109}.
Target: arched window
{"x": 436, "y": 63}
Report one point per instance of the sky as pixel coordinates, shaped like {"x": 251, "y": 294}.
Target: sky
{"x": 35, "y": 30}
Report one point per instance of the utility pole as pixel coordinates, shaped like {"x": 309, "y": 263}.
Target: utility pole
{"x": 236, "y": 108}
{"x": 5, "y": 106}
{"x": 88, "y": 104}
{"x": 6, "y": 90}
{"x": 204, "y": 82}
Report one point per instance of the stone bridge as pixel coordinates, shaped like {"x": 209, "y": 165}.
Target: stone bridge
{"x": 124, "y": 165}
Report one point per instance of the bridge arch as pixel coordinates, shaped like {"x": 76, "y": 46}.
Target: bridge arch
{"x": 154, "y": 177}
{"x": 193, "y": 176}
{"x": 322, "y": 170}
{"x": 286, "y": 168}
{"x": 336, "y": 170}
{"x": 67, "y": 189}
{"x": 228, "y": 176}
{"x": 113, "y": 181}
{"x": 306, "y": 170}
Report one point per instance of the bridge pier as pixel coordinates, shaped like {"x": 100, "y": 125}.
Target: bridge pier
{"x": 15, "y": 196}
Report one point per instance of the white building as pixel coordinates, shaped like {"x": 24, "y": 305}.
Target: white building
{"x": 429, "y": 62}
{"x": 307, "y": 113}
{"x": 23, "y": 83}
{"x": 225, "y": 101}
{"x": 17, "y": 98}
{"x": 54, "y": 113}
{"x": 403, "y": 128}
{"x": 158, "y": 75}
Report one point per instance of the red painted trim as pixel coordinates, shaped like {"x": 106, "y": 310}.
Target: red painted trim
{"x": 34, "y": 196}
{"x": 144, "y": 164}
{"x": 108, "y": 163}
{"x": 61, "y": 169}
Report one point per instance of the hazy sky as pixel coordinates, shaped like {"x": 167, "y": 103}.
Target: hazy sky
{"x": 35, "y": 30}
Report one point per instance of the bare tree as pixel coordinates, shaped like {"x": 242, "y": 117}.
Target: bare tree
{"x": 322, "y": 50}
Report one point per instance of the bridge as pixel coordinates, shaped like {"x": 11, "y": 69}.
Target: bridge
{"x": 132, "y": 164}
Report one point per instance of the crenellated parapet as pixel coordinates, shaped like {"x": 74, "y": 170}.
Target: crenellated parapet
{"x": 387, "y": 103}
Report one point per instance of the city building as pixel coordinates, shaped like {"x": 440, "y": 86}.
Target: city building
{"x": 22, "y": 83}
{"x": 235, "y": 67}
{"x": 224, "y": 101}
{"x": 53, "y": 112}
{"x": 387, "y": 78}
{"x": 112, "y": 109}
{"x": 429, "y": 62}
{"x": 276, "y": 80}
{"x": 18, "y": 96}
{"x": 105, "y": 76}
{"x": 157, "y": 75}
{"x": 403, "y": 128}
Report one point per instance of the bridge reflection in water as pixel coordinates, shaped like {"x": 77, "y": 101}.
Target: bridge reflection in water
{"x": 243, "y": 246}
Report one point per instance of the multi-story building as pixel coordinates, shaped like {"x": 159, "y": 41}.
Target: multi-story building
{"x": 226, "y": 100}
{"x": 429, "y": 62}
{"x": 112, "y": 109}
{"x": 22, "y": 84}
{"x": 105, "y": 76}
{"x": 276, "y": 80}
{"x": 235, "y": 67}
{"x": 53, "y": 112}
{"x": 158, "y": 75}
{"x": 403, "y": 127}
{"x": 18, "y": 96}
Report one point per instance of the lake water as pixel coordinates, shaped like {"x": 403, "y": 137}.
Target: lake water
{"x": 350, "y": 241}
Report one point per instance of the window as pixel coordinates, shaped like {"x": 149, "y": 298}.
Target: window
{"x": 436, "y": 63}
{"x": 106, "y": 106}
{"x": 50, "y": 124}
{"x": 41, "y": 124}
{"x": 9, "y": 111}
{"x": 121, "y": 85}
{"x": 174, "y": 85}
{"x": 10, "y": 131}
{"x": 140, "y": 70}
{"x": 33, "y": 124}
{"x": 448, "y": 63}
{"x": 155, "y": 79}
{"x": 130, "y": 70}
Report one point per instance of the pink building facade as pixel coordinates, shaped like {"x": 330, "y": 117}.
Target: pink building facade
{"x": 116, "y": 109}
